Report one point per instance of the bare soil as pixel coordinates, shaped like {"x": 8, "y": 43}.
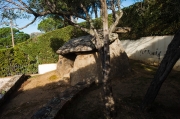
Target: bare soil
{"x": 32, "y": 95}
{"x": 128, "y": 93}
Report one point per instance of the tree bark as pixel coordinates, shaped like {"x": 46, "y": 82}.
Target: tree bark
{"x": 108, "y": 95}
{"x": 12, "y": 33}
{"x": 166, "y": 65}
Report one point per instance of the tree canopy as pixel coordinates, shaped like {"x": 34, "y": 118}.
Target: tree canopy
{"x": 50, "y": 24}
{"x": 42, "y": 8}
{"x": 6, "y": 38}
{"x": 151, "y": 18}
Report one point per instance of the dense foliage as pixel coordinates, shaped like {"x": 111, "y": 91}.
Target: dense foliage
{"x": 6, "y": 37}
{"x": 25, "y": 57}
{"x": 161, "y": 17}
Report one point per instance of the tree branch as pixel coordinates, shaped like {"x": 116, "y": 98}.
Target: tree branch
{"x": 118, "y": 16}
{"x": 113, "y": 10}
{"x": 88, "y": 18}
{"x": 90, "y": 31}
{"x": 32, "y": 11}
{"x": 15, "y": 4}
{"x": 29, "y": 23}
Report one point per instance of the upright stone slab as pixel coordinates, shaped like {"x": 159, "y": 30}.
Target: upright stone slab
{"x": 86, "y": 67}
{"x": 119, "y": 60}
{"x": 65, "y": 64}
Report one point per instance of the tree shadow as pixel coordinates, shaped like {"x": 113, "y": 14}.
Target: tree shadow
{"x": 128, "y": 95}
{"x": 56, "y": 43}
{"x": 22, "y": 104}
{"x": 26, "y": 107}
{"x": 25, "y": 103}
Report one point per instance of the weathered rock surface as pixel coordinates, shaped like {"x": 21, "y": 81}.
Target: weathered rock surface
{"x": 87, "y": 67}
{"x": 83, "y": 44}
{"x": 65, "y": 64}
{"x": 119, "y": 60}
{"x": 79, "y": 60}
{"x": 80, "y": 44}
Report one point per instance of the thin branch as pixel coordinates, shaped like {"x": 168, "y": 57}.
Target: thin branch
{"x": 118, "y": 16}
{"x": 113, "y": 10}
{"x": 33, "y": 12}
{"x": 88, "y": 18}
{"x": 50, "y": 5}
{"x": 90, "y": 31}
{"x": 19, "y": 6}
{"x": 29, "y": 23}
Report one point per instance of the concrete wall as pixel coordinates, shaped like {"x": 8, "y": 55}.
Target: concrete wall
{"x": 3, "y": 81}
{"x": 149, "y": 49}
{"x": 43, "y": 68}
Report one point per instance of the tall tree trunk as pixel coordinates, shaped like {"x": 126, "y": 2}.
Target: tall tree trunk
{"x": 108, "y": 95}
{"x": 169, "y": 60}
{"x": 12, "y": 33}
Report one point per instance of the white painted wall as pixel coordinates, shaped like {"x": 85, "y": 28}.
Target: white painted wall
{"x": 149, "y": 49}
{"x": 3, "y": 81}
{"x": 44, "y": 68}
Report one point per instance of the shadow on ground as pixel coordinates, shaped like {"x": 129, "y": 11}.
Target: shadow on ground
{"x": 128, "y": 92}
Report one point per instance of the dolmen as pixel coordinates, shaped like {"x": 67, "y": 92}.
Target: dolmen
{"x": 79, "y": 60}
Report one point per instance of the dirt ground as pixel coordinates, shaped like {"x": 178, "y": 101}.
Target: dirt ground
{"x": 128, "y": 93}
{"x": 33, "y": 94}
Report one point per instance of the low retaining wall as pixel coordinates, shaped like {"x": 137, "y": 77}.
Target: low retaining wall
{"x": 149, "y": 49}
{"x": 3, "y": 81}
{"x": 10, "y": 87}
{"x": 44, "y": 68}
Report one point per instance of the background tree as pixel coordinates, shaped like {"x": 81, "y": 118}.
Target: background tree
{"x": 166, "y": 65}
{"x": 151, "y": 18}
{"x": 50, "y": 24}
{"x": 5, "y": 37}
{"x": 169, "y": 12}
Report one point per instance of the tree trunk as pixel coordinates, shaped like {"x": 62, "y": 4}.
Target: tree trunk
{"x": 108, "y": 95}
{"x": 169, "y": 60}
{"x": 12, "y": 34}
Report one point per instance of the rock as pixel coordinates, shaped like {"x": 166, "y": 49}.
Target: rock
{"x": 119, "y": 60}
{"x": 65, "y": 64}
{"x": 83, "y": 44}
{"x": 87, "y": 67}
{"x": 79, "y": 60}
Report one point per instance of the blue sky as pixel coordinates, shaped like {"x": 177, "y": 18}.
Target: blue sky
{"x": 33, "y": 27}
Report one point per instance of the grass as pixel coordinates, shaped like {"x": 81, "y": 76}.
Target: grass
{"x": 53, "y": 77}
